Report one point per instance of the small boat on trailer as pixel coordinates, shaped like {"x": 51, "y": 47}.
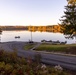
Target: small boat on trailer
{"x": 0, "y": 30}
{"x": 17, "y": 36}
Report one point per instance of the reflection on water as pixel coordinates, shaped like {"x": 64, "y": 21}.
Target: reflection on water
{"x": 36, "y": 36}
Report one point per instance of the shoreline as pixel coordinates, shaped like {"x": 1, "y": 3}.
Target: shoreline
{"x": 22, "y": 43}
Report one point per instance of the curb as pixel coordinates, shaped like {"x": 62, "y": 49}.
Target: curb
{"x": 55, "y": 53}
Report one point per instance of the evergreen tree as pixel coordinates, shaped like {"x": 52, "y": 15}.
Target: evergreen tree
{"x": 68, "y": 23}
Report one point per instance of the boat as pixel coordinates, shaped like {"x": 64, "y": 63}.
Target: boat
{"x": 17, "y": 36}
{"x": 0, "y": 30}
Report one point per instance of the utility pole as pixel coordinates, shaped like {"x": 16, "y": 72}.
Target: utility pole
{"x": 0, "y": 37}
{"x": 31, "y": 34}
{"x": 0, "y": 33}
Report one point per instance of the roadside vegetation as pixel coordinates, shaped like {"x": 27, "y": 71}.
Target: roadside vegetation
{"x": 67, "y": 48}
{"x": 29, "y": 46}
{"x": 11, "y": 64}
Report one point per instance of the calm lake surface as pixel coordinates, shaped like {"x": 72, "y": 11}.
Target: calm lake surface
{"x": 37, "y": 36}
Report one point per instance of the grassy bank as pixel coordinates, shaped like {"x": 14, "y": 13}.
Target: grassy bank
{"x": 11, "y": 64}
{"x": 68, "y": 48}
{"x": 29, "y": 46}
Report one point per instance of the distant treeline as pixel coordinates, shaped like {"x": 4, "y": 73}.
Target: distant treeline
{"x": 14, "y": 27}
{"x": 49, "y": 28}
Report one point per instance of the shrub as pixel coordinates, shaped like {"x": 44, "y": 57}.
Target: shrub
{"x": 11, "y": 64}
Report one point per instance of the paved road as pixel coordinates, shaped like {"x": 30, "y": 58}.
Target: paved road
{"x": 68, "y": 62}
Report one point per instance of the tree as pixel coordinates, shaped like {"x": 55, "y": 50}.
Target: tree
{"x": 68, "y": 23}
{"x": 71, "y": 1}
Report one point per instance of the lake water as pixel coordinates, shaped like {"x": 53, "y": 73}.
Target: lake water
{"x": 37, "y": 36}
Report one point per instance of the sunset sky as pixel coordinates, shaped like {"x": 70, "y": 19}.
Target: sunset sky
{"x": 31, "y": 12}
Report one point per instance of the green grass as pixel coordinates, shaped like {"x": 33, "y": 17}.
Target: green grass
{"x": 67, "y": 48}
{"x": 29, "y": 46}
{"x": 55, "y": 48}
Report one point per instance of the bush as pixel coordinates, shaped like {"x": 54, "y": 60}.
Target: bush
{"x": 11, "y": 64}
{"x": 37, "y": 58}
